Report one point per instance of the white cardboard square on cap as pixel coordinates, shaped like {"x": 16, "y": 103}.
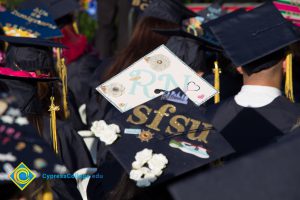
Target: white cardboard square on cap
{"x": 160, "y": 69}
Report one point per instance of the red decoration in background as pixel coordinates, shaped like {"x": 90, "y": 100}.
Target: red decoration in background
{"x": 9, "y": 72}
{"x": 76, "y": 44}
{"x": 227, "y": 6}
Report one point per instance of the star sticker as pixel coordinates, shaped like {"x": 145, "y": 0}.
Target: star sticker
{"x": 145, "y": 136}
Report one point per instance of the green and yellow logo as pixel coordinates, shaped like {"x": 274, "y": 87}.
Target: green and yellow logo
{"x": 22, "y": 176}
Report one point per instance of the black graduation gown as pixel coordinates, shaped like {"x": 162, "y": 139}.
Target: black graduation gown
{"x": 79, "y": 77}
{"x": 73, "y": 153}
{"x": 72, "y": 149}
{"x": 280, "y": 114}
{"x": 97, "y": 107}
{"x": 79, "y": 74}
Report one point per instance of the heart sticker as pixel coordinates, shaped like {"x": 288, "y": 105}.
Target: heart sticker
{"x": 201, "y": 96}
{"x": 192, "y": 86}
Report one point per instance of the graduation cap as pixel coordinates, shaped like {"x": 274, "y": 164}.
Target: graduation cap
{"x": 29, "y": 23}
{"x": 169, "y": 10}
{"x": 189, "y": 51}
{"x": 26, "y": 55}
{"x": 194, "y": 25}
{"x": 56, "y": 8}
{"x": 194, "y": 28}
{"x": 213, "y": 11}
{"x": 253, "y": 39}
{"x": 207, "y": 42}
{"x": 271, "y": 173}
{"x": 203, "y": 35}
{"x": 170, "y": 125}
{"x": 20, "y": 143}
{"x": 140, "y": 5}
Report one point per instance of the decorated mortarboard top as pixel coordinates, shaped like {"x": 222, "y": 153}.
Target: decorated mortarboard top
{"x": 27, "y": 41}
{"x": 160, "y": 69}
{"x": 172, "y": 127}
{"x": 140, "y": 5}
{"x": 169, "y": 10}
{"x": 250, "y": 37}
{"x": 289, "y": 9}
{"x": 25, "y": 56}
{"x": 197, "y": 28}
{"x": 56, "y": 8}
{"x": 213, "y": 11}
{"x": 270, "y": 173}
{"x": 194, "y": 25}
{"x": 20, "y": 143}
{"x": 29, "y": 23}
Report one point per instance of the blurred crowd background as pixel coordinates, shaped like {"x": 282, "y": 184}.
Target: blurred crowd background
{"x": 108, "y": 23}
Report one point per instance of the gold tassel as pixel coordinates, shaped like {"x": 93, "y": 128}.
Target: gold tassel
{"x": 46, "y": 193}
{"x": 58, "y": 62}
{"x": 217, "y": 72}
{"x": 62, "y": 72}
{"x": 289, "y": 77}
{"x": 53, "y": 109}
{"x": 75, "y": 27}
{"x": 5, "y": 46}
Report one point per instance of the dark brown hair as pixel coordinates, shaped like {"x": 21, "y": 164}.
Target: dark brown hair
{"x": 143, "y": 41}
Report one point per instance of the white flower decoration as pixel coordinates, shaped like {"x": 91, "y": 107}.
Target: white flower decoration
{"x": 143, "y": 156}
{"x": 21, "y": 121}
{"x": 143, "y": 183}
{"x": 106, "y": 133}
{"x": 98, "y": 126}
{"x": 135, "y": 174}
{"x": 150, "y": 177}
{"x": 137, "y": 165}
{"x": 144, "y": 170}
{"x": 144, "y": 175}
{"x": 7, "y": 119}
{"x": 157, "y": 162}
{"x": 114, "y": 127}
{"x": 156, "y": 172}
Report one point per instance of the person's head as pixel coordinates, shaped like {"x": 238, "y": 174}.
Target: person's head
{"x": 142, "y": 42}
{"x": 267, "y": 71}
{"x": 28, "y": 72}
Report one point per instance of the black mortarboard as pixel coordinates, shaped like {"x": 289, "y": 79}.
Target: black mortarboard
{"x": 271, "y": 173}
{"x": 173, "y": 126}
{"x": 26, "y": 55}
{"x": 189, "y": 51}
{"x": 253, "y": 39}
{"x": 208, "y": 42}
{"x": 57, "y": 8}
{"x": 169, "y": 10}
{"x": 29, "y": 23}
{"x": 206, "y": 37}
{"x": 23, "y": 41}
{"x": 21, "y": 143}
